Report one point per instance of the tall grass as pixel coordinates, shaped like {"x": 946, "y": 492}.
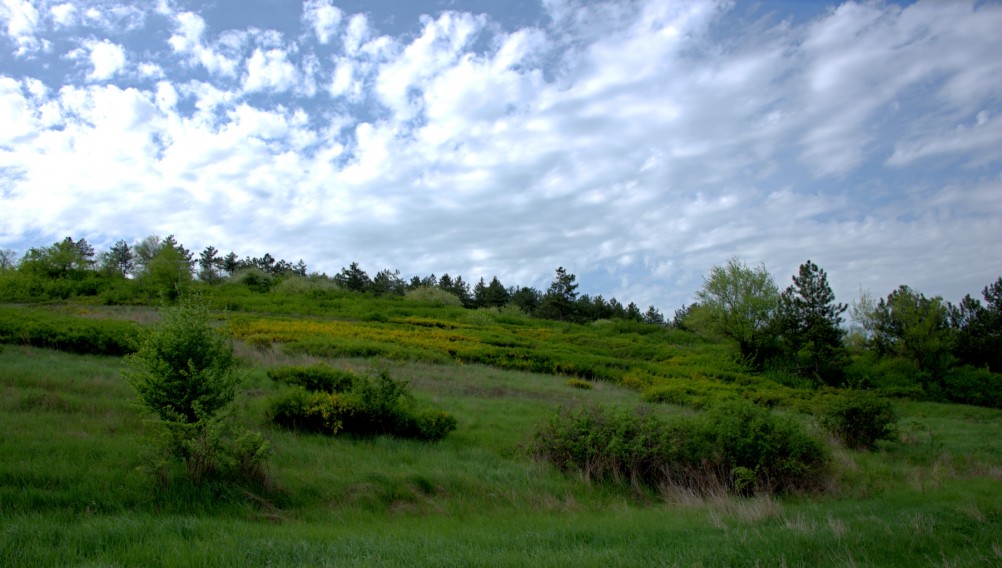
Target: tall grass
{"x": 73, "y": 491}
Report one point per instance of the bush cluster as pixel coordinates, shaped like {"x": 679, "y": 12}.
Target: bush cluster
{"x": 735, "y": 446}
{"x": 860, "y": 419}
{"x": 971, "y": 385}
{"x": 331, "y": 401}
{"x": 68, "y": 333}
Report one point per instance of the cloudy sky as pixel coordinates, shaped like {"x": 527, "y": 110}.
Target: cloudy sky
{"x": 635, "y": 142}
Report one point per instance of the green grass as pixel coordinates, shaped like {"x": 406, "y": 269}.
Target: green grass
{"x": 73, "y": 490}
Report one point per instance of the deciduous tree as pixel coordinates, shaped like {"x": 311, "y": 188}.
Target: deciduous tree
{"x": 738, "y": 302}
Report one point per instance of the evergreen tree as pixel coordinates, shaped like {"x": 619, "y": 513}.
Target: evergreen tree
{"x": 387, "y": 283}
{"x": 209, "y": 264}
{"x": 230, "y": 263}
{"x": 120, "y": 257}
{"x": 497, "y": 294}
{"x": 353, "y": 278}
{"x": 810, "y": 323}
{"x": 527, "y": 299}
{"x": 979, "y": 329}
{"x": 559, "y": 301}
{"x": 480, "y": 293}
{"x": 652, "y": 315}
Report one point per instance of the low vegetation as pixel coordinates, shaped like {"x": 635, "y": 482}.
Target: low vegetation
{"x": 330, "y": 401}
{"x": 285, "y": 418}
{"x": 735, "y": 448}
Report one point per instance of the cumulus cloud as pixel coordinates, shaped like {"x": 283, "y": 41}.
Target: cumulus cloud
{"x": 188, "y": 40}
{"x": 269, "y": 70}
{"x": 63, "y": 15}
{"x": 635, "y": 143}
{"x": 106, "y": 58}
{"x": 323, "y": 17}
{"x": 22, "y": 21}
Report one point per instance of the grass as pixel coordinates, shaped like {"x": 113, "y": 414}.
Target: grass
{"x": 73, "y": 490}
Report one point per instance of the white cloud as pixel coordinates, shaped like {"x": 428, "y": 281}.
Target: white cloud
{"x": 63, "y": 15}
{"x": 188, "y": 40}
{"x": 356, "y": 33}
{"x": 15, "y": 113}
{"x": 269, "y": 70}
{"x": 150, "y": 70}
{"x": 106, "y": 58}
{"x": 636, "y": 143}
{"x": 323, "y": 17}
{"x": 22, "y": 22}
{"x": 439, "y": 46}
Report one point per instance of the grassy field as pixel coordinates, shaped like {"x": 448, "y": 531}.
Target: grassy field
{"x": 73, "y": 490}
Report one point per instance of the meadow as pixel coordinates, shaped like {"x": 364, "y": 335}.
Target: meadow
{"x": 75, "y": 490}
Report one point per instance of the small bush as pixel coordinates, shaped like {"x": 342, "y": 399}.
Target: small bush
{"x": 430, "y": 425}
{"x": 579, "y": 384}
{"x": 316, "y": 378}
{"x": 435, "y": 296}
{"x": 254, "y": 279}
{"x": 736, "y": 447}
{"x": 860, "y": 419}
{"x": 184, "y": 373}
{"x": 329, "y": 401}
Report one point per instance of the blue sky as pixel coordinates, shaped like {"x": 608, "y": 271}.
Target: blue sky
{"x": 636, "y": 143}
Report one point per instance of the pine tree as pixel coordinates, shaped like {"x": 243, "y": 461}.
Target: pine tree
{"x": 810, "y": 323}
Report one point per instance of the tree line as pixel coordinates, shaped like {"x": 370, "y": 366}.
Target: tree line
{"x": 164, "y": 267}
{"x": 903, "y": 341}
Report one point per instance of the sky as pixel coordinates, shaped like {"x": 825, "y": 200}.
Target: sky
{"x": 637, "y": 143}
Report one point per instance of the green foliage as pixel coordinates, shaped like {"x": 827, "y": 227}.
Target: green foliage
{"x": 559, "y": 301}
{"x": 316, "y": 378}
{"x": 166, "y": 268}
{"x": 737, "y": 302}
{"x": 736, "y": 447}
{"x": 184, "y": 373}
{"x": 579, "y": 384}
{"x": 972, "y": 385}
{"x": 184, "y": 369}
{"x": 330, "y": 401}
{"x": 27, "y": 326}
{"x": 891, "y": 376}
{"x": 909, "y": 325}
{"x": 809, "y": 322}
{"x": 860, "y": 419}
{"x": 434, "y": 296}
{"x": 979, "y": 329}
{"x": 254, "y": 279}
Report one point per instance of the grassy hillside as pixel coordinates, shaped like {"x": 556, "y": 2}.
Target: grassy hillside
{"x": 72, "y": 449}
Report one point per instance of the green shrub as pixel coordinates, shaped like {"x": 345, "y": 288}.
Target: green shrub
{"x": 434, "y": 296}
{"x": 776, "y": 450}
{"x": 971, "y": 385}
{"x": 316, "y": 378}
{"x": 28, "y": 326}
{"x": 860, "y": 419}
{"x": 329, "y": 401}
{"x": 184, "y": 372}
{"x": 579, "y": 384}
{"x": 254, "y": 279}
{"x": 298, "y": 409}
{"x": 736, "y": 447}
{"x": 429, "y": 425}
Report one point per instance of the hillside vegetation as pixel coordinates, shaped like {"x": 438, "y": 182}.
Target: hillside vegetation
{"x": 356, "y": 427}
